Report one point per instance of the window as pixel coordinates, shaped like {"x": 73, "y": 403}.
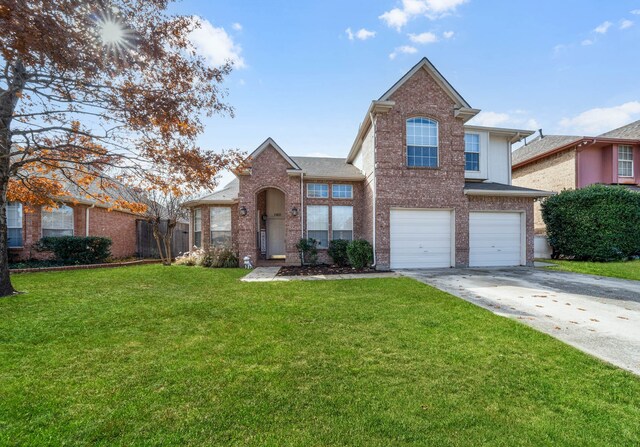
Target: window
{"x": 197, "y": 228}
{"x": 318, "y": 224}
{"x": 342, "y": 191}
{"x": 625, "y": 161}
{"x": 317, "y": 191}
{"x": 57, "y": 221}
{"x": 14, "y": 224}
{"x": 342, "y": 222}
{"x": 422, "y": 143}
{"x": 471, "y": 152}
{"x": 221, "y": 227}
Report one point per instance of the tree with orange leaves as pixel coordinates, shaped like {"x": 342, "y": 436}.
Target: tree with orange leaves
{"x": 107, "y": 89}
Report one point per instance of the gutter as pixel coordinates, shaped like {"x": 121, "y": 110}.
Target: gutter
{"x": 375, "y": 189}
{"x": 493, "y": 193}
{"x": 86, "y": 220}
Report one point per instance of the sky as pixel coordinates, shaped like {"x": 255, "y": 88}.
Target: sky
{"x": 306, "y": 72}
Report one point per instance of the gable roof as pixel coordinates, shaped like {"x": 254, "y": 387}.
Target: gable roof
{"x": 270, "y": 142}
{"x": 433, "y": 71}
{"x": 541, "y": 146}
{"x": 630, "y": 131}
{"x": 328, "y": 168}
{"x": 227, "y": 195}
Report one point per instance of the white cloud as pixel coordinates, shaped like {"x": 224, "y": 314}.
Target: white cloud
{"x": 626, "y": 24}
{"x": 433, "y": 9}
{"x": 396, "y": 18}
{"x": 448, "y": 34}
{"x": 362, "y": 34}
{"x": 587, "y": 42}
{"x": 602, "y": 29}
{"x": 215, "y": 45}
{"x": 236, "y": 26}
{"x": 490, "y": 119}
{"x": 598, "y": 120}
{"x": 423, "y": 38}
{"x": 636, "y": 12}
{"x": 405, "y": 49}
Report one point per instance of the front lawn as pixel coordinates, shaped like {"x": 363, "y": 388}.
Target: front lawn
{"x": 186, "y": 356}
{"x": 624, "y": 270}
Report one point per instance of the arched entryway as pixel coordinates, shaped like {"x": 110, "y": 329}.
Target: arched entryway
{"x": 271, "y": 223}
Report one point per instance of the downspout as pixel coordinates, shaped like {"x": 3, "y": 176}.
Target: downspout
{"x": 375, "y": 187}
{"x": 86, "y": 220}
{"x": 302, "y": 205}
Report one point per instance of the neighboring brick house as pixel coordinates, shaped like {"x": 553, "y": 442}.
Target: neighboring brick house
{"x": 559, "y": 162}
{"x": 76, "y": 216}
{"x": 424, "y": 188}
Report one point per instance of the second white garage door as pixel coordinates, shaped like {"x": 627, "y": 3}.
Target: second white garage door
{"x": 495, "y": 239}
{"x": 420, "y": 238}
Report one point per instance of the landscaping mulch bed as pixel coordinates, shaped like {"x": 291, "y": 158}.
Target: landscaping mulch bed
{"x": 324, "y": 269}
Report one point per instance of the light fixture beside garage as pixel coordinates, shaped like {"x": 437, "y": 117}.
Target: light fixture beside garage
{"x": 243, "y": 210}
{"x": 294, "y": 211}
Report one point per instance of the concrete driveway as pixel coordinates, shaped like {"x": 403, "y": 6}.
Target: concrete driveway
{"x": 600, "y": 316}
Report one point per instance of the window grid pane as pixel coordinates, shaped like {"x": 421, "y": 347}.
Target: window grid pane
{"x": 317, "y": 191}
{"x": 342, "y": 191}
{"x": 318, "y": 224}
{"x": 57, "y": 221}
{"x": 15, "y": 237}
{"x": 220, "y": 227}
{"x": 197, "y": 220}
{"x": 422, "y": 142}
{"x": 625, "y": 161}
{"x": 14, "y": 215}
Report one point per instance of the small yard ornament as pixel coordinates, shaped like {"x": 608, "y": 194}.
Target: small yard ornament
{"x": 247, "y": 262}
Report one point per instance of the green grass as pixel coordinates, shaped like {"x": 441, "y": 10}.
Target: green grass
{"x": 624, "y": 270}
{"x": 183, "y": 356}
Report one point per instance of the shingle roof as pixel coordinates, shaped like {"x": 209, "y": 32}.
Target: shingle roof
{"x": 487, "y": 188}
{"x": 227, "y": 194}
{"x": 325, "y": 167}
{"x": 541, "y": 146}
{"x": 630, "y": 131}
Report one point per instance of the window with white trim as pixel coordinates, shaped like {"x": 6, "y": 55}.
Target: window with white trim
{"x": 342, "y": 191}
{"x": 471, "y": 152}
{"x": 57, "y": 222}
{"x": 625, "y": 161}
{"x": 317, "y": 190}
{"x": 318, "y": 224}
{"x": 342, "y": 223}
{"x": 197, "y": 227}
{"x": 422, "y": 143}
{"x": 221, "y": 227}
{"x": 14, "y": 224}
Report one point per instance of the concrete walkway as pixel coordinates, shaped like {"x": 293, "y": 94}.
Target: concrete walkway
{"x": 268, "y": 274}
{"x": 600, "y": 316}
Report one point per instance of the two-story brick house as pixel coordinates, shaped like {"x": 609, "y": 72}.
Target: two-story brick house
{"x": 425, "y": 189}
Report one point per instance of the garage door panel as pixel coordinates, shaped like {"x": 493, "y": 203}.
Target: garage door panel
{"x": 495, "y": 239}
{"x": 420, "y": 238}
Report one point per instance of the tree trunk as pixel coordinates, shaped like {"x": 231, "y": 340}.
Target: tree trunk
{"x": 8, "y": 102}
{"x": 158, "y": 237}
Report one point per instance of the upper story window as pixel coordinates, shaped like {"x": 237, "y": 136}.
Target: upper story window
{"x": 317, "y": 191}
{"x": 471, "y": 152}
{"x": 14, "y": 224}
{"x": 625, "y": 161}
{"x": 221, "y": 227}
{"x": 57, "y": 221}
{"x": 422, "y": 143}
{"x": 197, "y": 227}
{"x": 342, "y": 191}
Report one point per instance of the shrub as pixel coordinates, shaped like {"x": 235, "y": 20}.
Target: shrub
{"x": 308, "y": 250}
{"x": 597, "y": 223}
{"x": 211, "y": 258}
{"x": 338, "y": 252}
{"x": 75, "y": 250}
{"x": 360, "y": 253}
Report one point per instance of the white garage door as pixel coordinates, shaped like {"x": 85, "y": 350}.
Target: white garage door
{"x": 420, "y": 238}
{"x": 495, "y": 239}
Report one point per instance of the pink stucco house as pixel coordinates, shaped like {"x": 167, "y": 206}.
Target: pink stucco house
{"x": 426, "y": 189}
{"x": 558, "y": 162}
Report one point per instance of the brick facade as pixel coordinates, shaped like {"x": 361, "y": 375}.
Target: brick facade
{"x": 554, "y": 173}
{"x": 120, "y": 227}
{"x": 399, "y": 186}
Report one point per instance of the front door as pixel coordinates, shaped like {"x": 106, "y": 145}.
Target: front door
{"x": 275, "y": 238}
